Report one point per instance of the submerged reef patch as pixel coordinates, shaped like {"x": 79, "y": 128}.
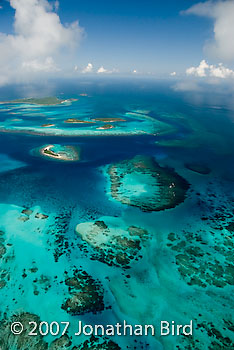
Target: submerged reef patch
{"x": 23, "y": 341}
{"x": 112, "y": 241}
{"x": 141, "y": 182}
{"x": 210, "y": 335}
{"x": 86, "y": 294}
{"x": 4, "y": 274}
{"x": 96, "y": 343}
{"x": 202, "y": 263}
{"x": 62, "y": 343}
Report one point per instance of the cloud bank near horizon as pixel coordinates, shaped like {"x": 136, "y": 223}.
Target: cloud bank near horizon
{"x": 206, "y": 70}
{"x": 222, "y": 12}
{"x": 37, "y": 42}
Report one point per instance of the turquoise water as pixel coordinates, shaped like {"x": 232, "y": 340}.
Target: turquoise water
{"x": 143, "y": 266}
{"x": 54, "y": 120}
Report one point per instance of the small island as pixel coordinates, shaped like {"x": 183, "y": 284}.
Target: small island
{"x": 47, "y": 125}
{"x": 109, "y": 120}
{"x": 77, "y": 121}
{"x": 105, "y": 127}
{"x": 60, "y": 152}
{"x": 44, "y": 101}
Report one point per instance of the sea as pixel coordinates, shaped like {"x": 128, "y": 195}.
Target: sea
{"x": 184, "y": 269}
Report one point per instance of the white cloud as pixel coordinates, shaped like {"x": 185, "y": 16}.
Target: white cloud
{"x": 199, "y": 71}
{"x": 222, "y": 12}
{"x": 221, "y": 72}
{"x": 173, "y": 74}
{"x": 38, "y": 66}
{"x": 206, "y": 70}
{"x": 106, "y": 71}
{"x": 135, "y": 71}
{"x": 88, "y": 69}
{"x": 102, "y": 70}
{"x": 37, "y": 42}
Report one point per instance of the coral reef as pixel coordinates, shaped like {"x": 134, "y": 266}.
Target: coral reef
{"x": 142, "y": 183}
{"x": 111, "y": 241}
{"x": 86, "y": 294}
{"x": 23, "y": 341}
{"x": 95, "y": 343}
{"x": 201, "y": 263}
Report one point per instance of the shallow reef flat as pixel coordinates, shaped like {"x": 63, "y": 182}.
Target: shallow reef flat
{"x": 141, "y": 182}
{"x": 75, "y": 117}
{"x": 58, "y": 152}
{"x": 39, "y": 342}
{"x": 36, "y": 270}
{"x": 96, "y": 343}
{"x": 204, "y": 256}
{"x": 23, "y": 342}
{"x": 112, "y": 241}
{"x": 21, "y": 231}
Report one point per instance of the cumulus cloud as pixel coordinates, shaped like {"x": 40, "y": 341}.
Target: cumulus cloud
{"x": 38, "y": 39}
{"x": 102, "y": 70}
{"x": 106, "y": 71}
{"x": 222, "y": 12}
{"x": 173, "y": 74}
{"x": 206, "y": 70}
{"x": 88, "y": 69}
{"x": 199, "y": 71}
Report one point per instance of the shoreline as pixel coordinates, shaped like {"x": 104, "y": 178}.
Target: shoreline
{"x": 47, "y": 151}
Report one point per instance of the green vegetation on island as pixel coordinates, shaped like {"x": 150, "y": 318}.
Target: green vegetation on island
{"x": 60, "y": 152}
{"x": 109, "y": 120}
{"x": 49, "y": 152}
{"x": 77, "y": 121}
{"x": 39, "y": 101}
{"x": 44, "y": 101}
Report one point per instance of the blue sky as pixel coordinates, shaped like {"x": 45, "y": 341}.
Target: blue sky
{"x": 120, "y": 37}
{"x": 143, "y": 35}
